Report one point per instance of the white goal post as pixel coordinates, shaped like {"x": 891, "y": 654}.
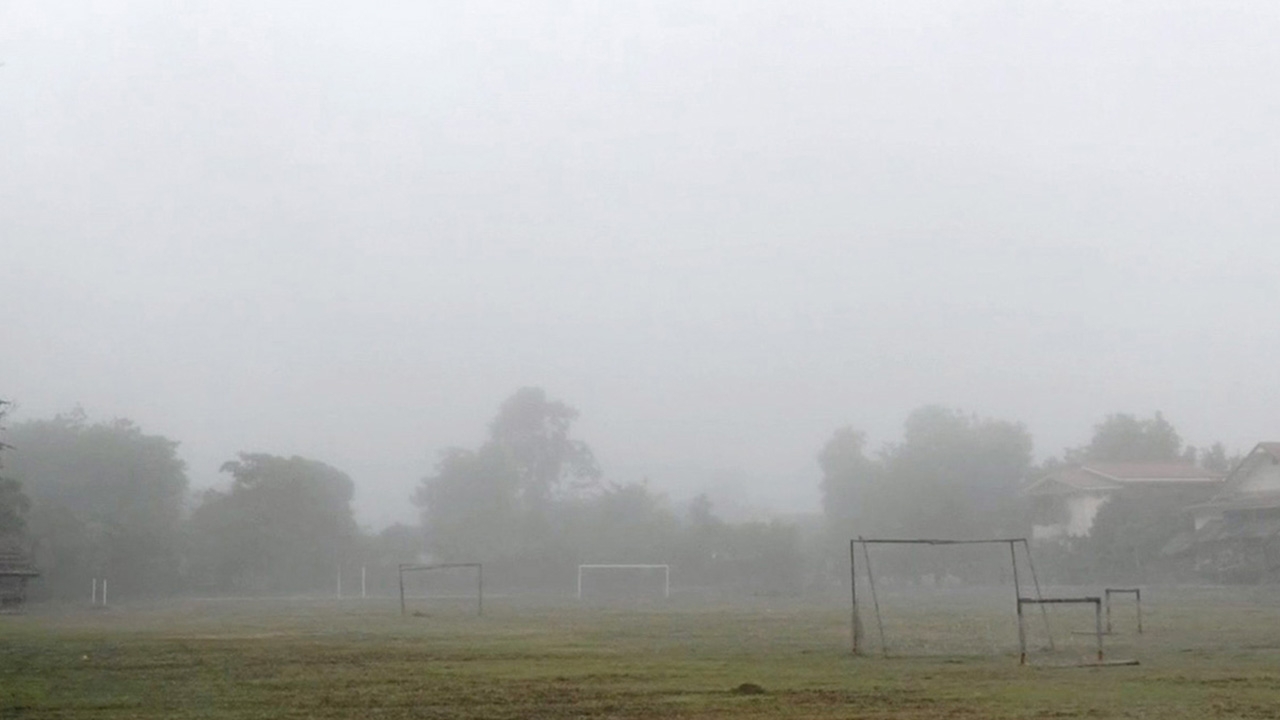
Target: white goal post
{"x": 666, "y": 573}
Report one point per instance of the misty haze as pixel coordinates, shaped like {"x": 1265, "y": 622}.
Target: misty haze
{"x": 603, "y": 346}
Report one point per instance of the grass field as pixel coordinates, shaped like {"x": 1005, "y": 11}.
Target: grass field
{"x": 1206, "y": 654}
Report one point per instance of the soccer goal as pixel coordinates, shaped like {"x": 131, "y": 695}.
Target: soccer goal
{"x": 638, "y": 572}
{"x": 942, "y": 596}
{"x": 435, "y": 568}
{"x": 1090, "y": 601}
{"x": 1137, "y": 599}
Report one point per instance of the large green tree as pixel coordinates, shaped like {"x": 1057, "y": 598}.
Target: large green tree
{"x": 849, "y": 480}
{"x": 1216, "y": 458}
{"x": 498, "y": 500}
{"x": 14, "y": 503}
{"x": 14, "y": 506}
{"x": 531, "y": 432}
{"x": 1122, "y": 437}
{"x": 106, "y": 501}
{"x": 284, "y": 525}
{"x": 953, "y": 474}
{"x": 621, "y": 523}
{"x": 470, "y": 506}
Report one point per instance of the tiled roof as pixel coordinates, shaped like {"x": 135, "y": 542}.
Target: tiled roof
{"x": 1154, "y": 472}
{"x": 1069, "y": 480}
{"x": 1094, "y": 477}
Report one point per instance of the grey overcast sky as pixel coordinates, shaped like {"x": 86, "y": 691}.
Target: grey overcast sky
{"x": 720, "y": 229}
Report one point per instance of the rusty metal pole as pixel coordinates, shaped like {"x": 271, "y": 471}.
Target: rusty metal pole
{"x": 853, "y": 592}
{"x": 1097, "y": 613}
{"x": 1017, "y": 598}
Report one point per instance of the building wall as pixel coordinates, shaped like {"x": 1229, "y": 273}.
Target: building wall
{"x": 1080, "y": 511}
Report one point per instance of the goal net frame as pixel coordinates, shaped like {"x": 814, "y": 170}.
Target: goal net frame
{"x": 1137, "y": 598}
{"x": 666, "y": 573}
{"x": 1019, "y": 599}
{"x": 1095, "y": 601}
{"x": 417, "y": 567}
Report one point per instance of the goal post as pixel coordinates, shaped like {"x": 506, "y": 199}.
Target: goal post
{"x": 415, "y": 567}
{"x": 859, "y": 546}
{"x": 666, "y": 573}
{"x": 1137, "y": 598}
{"x": 1095, "y": 601}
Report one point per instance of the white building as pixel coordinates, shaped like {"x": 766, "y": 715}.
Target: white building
{"x": 1067, "y": 500}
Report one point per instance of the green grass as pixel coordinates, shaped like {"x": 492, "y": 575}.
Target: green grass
{"x": 1205, "y": 655}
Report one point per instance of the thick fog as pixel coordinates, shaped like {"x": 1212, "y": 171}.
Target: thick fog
{"x": 719, "y": 229}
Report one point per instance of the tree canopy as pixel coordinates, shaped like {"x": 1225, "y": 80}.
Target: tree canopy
{"x": 106, "y": 500}
{"x": 495, "y": 500}
{"x": 849, "y": 480}
{"x": 1122, "y": 437}
{"x": 14, "y": 503}
{"x": 531, "y": 433}
{"x": 284, "y": 525}
{"x": 953, "y": 474}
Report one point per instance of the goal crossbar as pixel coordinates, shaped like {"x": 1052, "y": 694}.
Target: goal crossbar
{"x": 666, "y": 573}
{"x": 1137, "y": 596}
{"x": 1042, "y": 602}
{"x": 1013, "y": 544}
{"x": 933, "y": 541}
{"x": 420, "y": 567}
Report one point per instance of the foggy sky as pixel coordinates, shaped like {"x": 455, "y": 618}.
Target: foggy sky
{"x": 720, "y": 229}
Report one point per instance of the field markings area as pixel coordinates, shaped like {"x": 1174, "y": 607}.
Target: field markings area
{"x": 1205, "y": 654}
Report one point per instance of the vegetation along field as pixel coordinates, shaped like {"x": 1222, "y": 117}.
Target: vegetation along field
{"x": 1205, "y": 654}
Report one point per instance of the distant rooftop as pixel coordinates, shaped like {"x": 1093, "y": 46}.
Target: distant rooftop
{"x": 1153, "y": 472}
{"x": 1094, "y": 477}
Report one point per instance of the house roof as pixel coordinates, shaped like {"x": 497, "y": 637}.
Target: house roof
{"x": 1231, "y": 498}
{"x": 1095, "y": 477}
{"x": 1246, "y": 464}
{"x": 1068, "y": 481}
{"x": 1154, "y": 472}
{"x": 1272, "y": 448}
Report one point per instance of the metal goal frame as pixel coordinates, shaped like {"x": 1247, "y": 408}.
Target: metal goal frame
{"x": 1137, "y": 598}
{"x": 1012, "y": 543}
{"x": 416, "y": 567}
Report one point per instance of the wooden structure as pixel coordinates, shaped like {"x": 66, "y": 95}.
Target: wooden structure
{"x": 16, "y": 571}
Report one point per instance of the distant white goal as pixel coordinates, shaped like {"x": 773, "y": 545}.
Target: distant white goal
{"x": 627, "y": 567}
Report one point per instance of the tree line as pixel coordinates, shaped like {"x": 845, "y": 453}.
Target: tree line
{"x": 106, "y": 499}
{"x": 89, "y": 499}
{"x": 959, "y": 475}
